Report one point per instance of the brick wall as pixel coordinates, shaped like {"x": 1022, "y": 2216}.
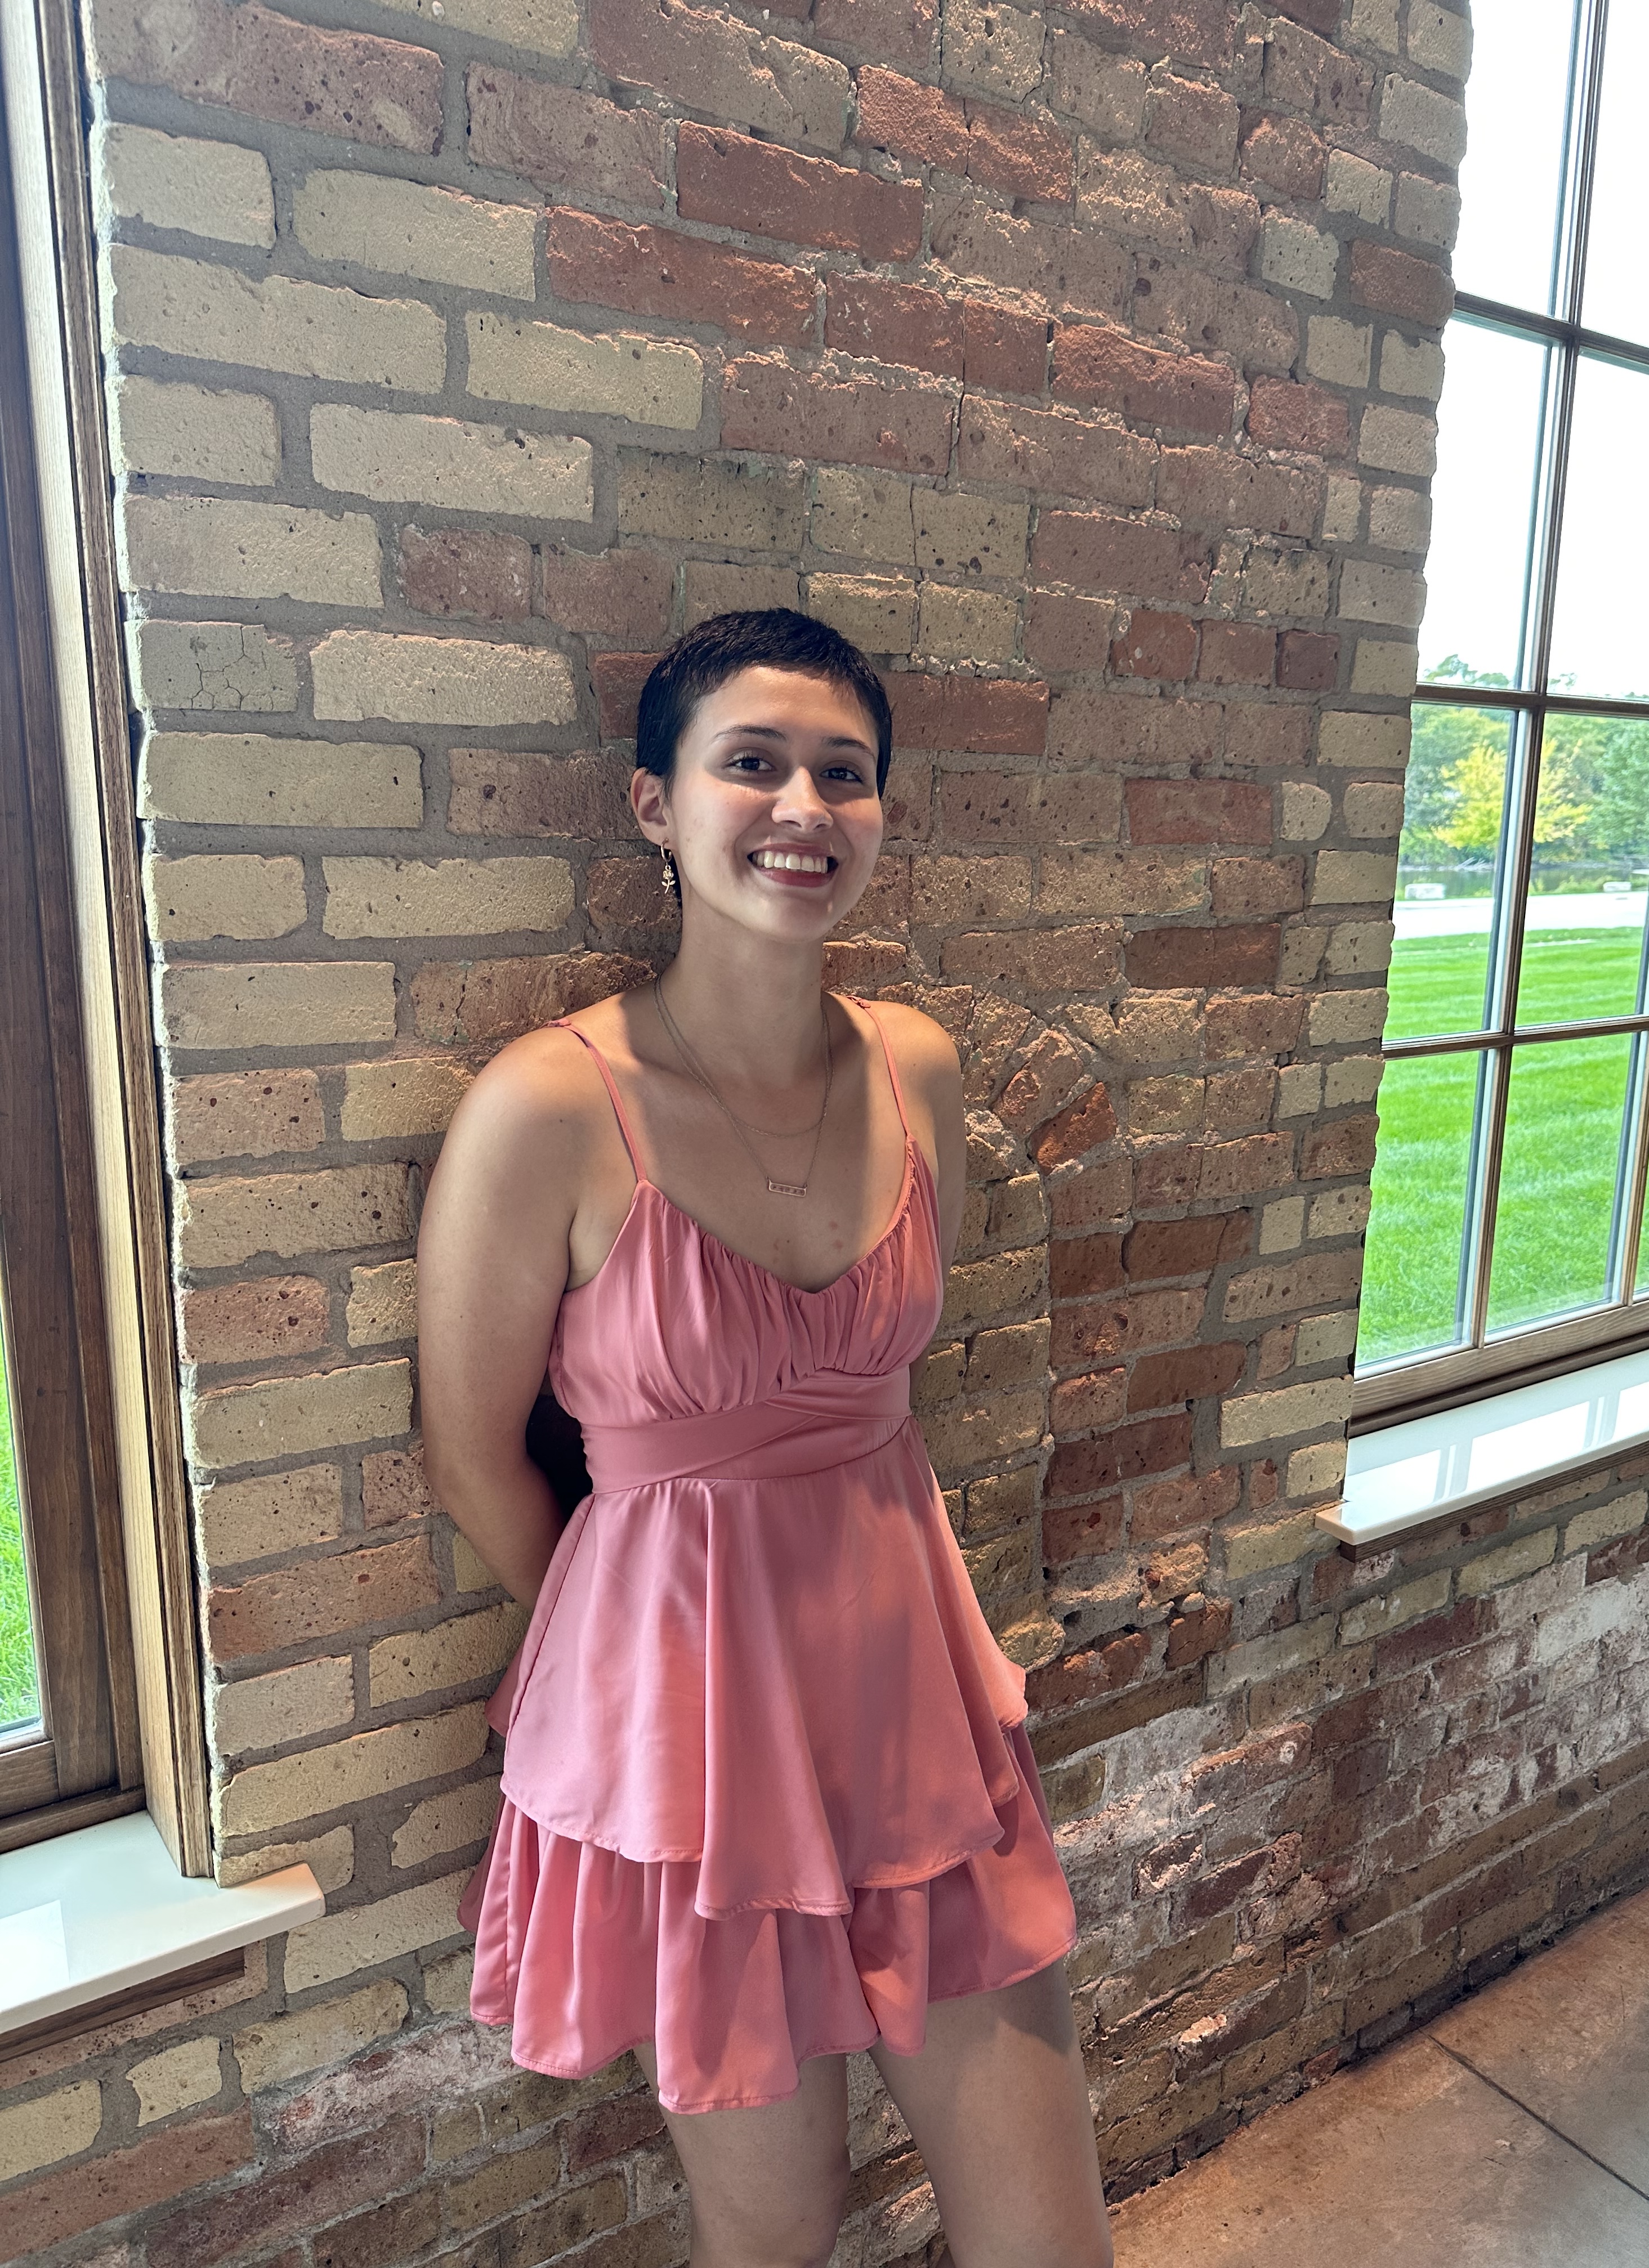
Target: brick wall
{"x": 458, "y": 355}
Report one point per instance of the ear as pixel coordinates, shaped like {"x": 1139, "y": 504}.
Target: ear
{"x": 649, "y": 799}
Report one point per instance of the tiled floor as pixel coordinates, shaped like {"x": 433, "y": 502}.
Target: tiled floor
{"x": 1514, "y": 2132}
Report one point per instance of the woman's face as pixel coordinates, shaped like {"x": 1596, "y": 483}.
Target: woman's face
{"x": 772, "y": 813}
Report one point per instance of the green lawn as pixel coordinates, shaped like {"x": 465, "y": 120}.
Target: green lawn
{"x": 1563, "y": 1134}
{"x": 19, "y": 1698}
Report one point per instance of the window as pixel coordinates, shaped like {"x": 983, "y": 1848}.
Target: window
{"x": 1508, "y": 1186}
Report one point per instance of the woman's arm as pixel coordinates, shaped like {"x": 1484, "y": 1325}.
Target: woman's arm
{"x": 932, "y": 1078}
{"x": 492, "y": 1266}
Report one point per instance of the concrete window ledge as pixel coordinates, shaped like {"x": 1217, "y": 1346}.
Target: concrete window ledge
{"x": 101, "y": 1911}
{"x": 1428, "y": 1471}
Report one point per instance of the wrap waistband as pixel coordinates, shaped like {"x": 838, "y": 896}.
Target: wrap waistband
{"x": 825, "y": 1420}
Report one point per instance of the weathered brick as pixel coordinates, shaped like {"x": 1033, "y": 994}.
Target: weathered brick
{"x": 278, "y": 1003}
{"x": 553, "y": 134}
{"x": 249, "y": 780}
{"x": 1397, "y": 284}
{"x": 455, "y": 897}
{"x": 315, "y": 1600}
{"x": 1002, "y": 351}
{"x": 290, "y": 1417}
{"x": 1284, "y": 153}
{"x": 208, "y": 435}
{"x": 278, "y": 1512}
{"x": 712, "y": 61}
{"x": 225, "y": 895}
{"x": 1019, "y": 156}
{"x": 1062, "y": 265}
{"x": 466, "y": 571}
{"x": 1282, "y": 416}
{"x": 242, "y": 1322}
{"x": 765, "y": 404}
{"x": 224, "y": 1219}
{"x": 1184, "y": 392}
{"x": 230, "y": 667}
{"x": 623, "y": 374}
{"x": 206, "y": 188}
{"x": 1054, "y": 449}
{"x": 368, "y": 674}
{"x": 200, "y": 2152}
{"x": 772, "y": 192}
{"x": 247, "y": 1114}
{"x": 293, "y": 2198}
{"x": 893, "y": 322}
{"x": 656, "y": 271}
{"x": 580, "y": 797}
{"x": 371, "y": 220}
{"x": 919, "y": 121}
{"x": 241, "y": 550}
{"x": 442, "y": 460}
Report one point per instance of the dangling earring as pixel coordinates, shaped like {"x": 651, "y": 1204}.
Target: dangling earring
{"x": 672, "y": 887}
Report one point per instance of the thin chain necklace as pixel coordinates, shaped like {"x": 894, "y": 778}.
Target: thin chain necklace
{"x": 775, "y": 1188}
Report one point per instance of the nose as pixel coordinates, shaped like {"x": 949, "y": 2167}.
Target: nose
{"x": 799, "y": 804}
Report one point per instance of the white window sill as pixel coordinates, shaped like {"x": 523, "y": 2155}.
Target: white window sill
{"x": 90, "y": 1914}
{"x": 1428, "y": 1470}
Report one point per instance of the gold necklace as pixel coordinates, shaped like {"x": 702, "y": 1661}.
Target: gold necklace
{"x": 775, "y": 1188}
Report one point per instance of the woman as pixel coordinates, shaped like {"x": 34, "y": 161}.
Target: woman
{"x": 767, "y": 1796}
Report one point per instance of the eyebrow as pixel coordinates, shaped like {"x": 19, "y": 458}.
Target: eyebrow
{"x": 773, "y": 732}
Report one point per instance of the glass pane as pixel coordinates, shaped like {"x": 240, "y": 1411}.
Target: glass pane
{"x": 1557, "y": 1180}
{"x": 1422, "y": 1164}
{"x": 1453, "y": 800}
{"x": 1516, "y": 99}
{"x": 1614, "y": 299}
{"x": 20, "y": 1688}
{"x": 1589, "y": 880}
{"x": 1598, "y": 644}
{"x": 1490, "y": 426}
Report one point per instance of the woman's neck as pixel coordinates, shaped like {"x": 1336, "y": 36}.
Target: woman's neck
{"x": 749, "y": 1006}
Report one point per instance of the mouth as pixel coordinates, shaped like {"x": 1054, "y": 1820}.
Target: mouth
{"x": 795, "y": 866}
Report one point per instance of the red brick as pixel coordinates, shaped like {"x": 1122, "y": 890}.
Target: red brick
{"x": 611, "y": 2129}
{"x": 766, "y": 405}
{"x": 394, "y": 1488}
{"x": 1286, "y": 155}
{"x": 1216, "y": 488}
{"x": 1284, "y": 416}
{"x": 1019, "y": 155}
{"x": 1085, "y": 1676}
{"x": 467, "y": 571}
{"x": 1053, "y": 450}
{"x": 337, "y": 1593}
{"x": 301, "y": 2197}
{"x": 971, "y": 716}
{"x": 661, "y": 271}
{"x": 251, "y": 59}
{"x": 474, "y": 1001}
{"x": 919, "y": 121}
{"x": 1255, "y": 1026}
{"x": 1020, "y": 807}
{"x": 887, "y": 322}
{"x": 1003, "y": 352}
{"x": 618, "y": 679}
{"x": 1425, "y": 1642}
{"x": 741, "y": 183}
{"x": 1309, "y": 661}
{"x": 1155, "y": 645}
{"x": 1195, "y": 123}
{"x": 1236, "y": 653}
{"x": 902, "y": 30}
{"x": 1077, "y": 1131}
{"x": 1344, "y": 1146}
{"x": 1187, "y": 1374}
{"x": 1197, "y": 31}
{"x": 1399, "y": 283}
{"x": 1321, "y": 16}
{"x": 1078, "y": 957}
{"x": 1082, "y": 1467}
{"x": 1171, "y": 960}
{"x": 1218, "y": 1892}
{"x": 1160, "y": 1251}
{"x": 383, "y": 2236}
{"x": 697, "y": 57}
{"x": 578, "y": 798}
{"x": 623, "y": 595}
{"x": 1197, "y": 811}
{"x": 559, "y": 134}
{"x": 266, "y": 1316}
{"x": 1078, "y": 1265}
{"x": 625, "y": 895}
{"x": 46, "y": 2212}
{"x": 1064, "y": 630}
{"x": 1257, "y": 886}
{"x": 1304, "y": 72}
{"x": 1081, "y": 1531}
{"x": 1178, "y": 393}
{"x": 1062, "y": 265}
{"x": 1169, "y": 1508}
{"x": 1123, "y": 556}
{"x": 1100, "y": 1190}
{"x": 1168, "y": 1173}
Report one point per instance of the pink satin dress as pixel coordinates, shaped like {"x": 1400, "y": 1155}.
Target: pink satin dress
{"x": 767, "y": 1788}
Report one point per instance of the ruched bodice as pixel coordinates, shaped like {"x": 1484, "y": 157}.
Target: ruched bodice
{"x": 757, "y": 1660}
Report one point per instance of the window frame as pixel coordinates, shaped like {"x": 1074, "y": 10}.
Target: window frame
{"x": 1415, "y": 1386}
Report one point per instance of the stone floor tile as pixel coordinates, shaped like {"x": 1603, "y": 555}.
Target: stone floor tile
{"x": 1408, "y": 2160}
{"x": 1567, "y": 2036}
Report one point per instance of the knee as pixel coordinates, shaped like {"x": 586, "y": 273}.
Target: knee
{"x": 800, "y": 2233}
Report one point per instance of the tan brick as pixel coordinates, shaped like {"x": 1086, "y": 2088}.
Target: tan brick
{"x": 284, "y": 2047}
{"x": 211, "y": 666}
{"x": 442, "y": 460}
{"x": 225, "y": 1221}
{"x": 700, "y": 500}
{"x": 222, "y": 548}
{"x": 1318, "y": 1470}
{"x": 288, "y": 1704}
{"x": 1251, "y": 1549}
{"x": 50, "y": 2128}
{"x": 1399, "y": 519}
{"x": 349, "y": 1772}
{"x": 1396, "y": 440}
{"x": 1246, "y": 1418}
{"x": 864, "y": 515}
{"x": 470, "y": 1571}
{"x": 247, "y": 779}
{"x": 1421, "y": 119}
{"x": 330, "y": 1858}
{"x": 1296, "y": 257}
{"x": 383, "y": 1303}
{"x": 1354, "y": 878}
{"x": 409, "y": 1094}
{"x": 624, "y": 374}
{"x": 1622, "y": 1517}
{"x": 364, "y": 1935}
{"x": 400, "y": 228}
{"x": 208, "y": 188}
{"x": 177, "y": 2079}
{"x": 1392, "y": 596}
{"x": 225, "y": 896}
{"x": 436, "y": 681}
{"x": 1352, "y": 185}
{"x": 1129, "y": 882}
{"x": 996, "y": 49}
{"x": 878, "y": 613}
{"x": 446, "y": 1983}
{"x": 960, "y": 534}
{"x": 710, "y": 587}
{"x": 454, "y": 1653}
{"x": 961, "y": 625}
{"x": 192, "y": 429}
{"x": 1389, "y": 1610}
{"x": 982, "y": 1289}
{"x": 290, "y": 1417}
{"x": 279, "y": 1004}
{"x": 1381, "y": 741}
{"x": 548, "y": 26}
{"x": 1491, "y": 1569}
{"x": 446, "y": 1822}
{"x": 280, "y": 1512}
{"x": 195, "y": 309}
{"x": 455, "y": 897}
{"x": 1416, "y": 370}
{"x": 245, "y": 1114}
{"x": 1385, "y": 665}
{"x": 952, "y": 890}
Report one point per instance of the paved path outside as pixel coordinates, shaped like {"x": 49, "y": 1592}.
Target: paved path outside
{"x": 1512, "y": 2132}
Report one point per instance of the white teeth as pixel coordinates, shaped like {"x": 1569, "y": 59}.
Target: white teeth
{"x": 793, "y": 862}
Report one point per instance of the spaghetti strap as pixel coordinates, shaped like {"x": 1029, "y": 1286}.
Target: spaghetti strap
{"x": 887, "y": 1057}
{"x": 564, "y": 1024}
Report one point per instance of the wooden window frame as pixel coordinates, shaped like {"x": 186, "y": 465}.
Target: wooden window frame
{"x": 85, "y": 836}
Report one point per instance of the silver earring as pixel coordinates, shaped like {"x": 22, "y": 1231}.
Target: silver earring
{"x": 672, "y": 887}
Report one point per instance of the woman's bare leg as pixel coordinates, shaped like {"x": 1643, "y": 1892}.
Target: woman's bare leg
{"x": 768, "y": 2182}
{"x": 997, "y": 2102}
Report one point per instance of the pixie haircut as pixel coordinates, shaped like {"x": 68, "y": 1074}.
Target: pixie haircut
{"x": 759, "y": 637}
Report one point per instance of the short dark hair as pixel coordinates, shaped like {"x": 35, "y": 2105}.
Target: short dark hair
{"x": 754, "y": 637}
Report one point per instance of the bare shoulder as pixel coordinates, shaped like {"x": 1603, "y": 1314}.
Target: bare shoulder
{"x": 539, "y": 1102}
{"x": 924, "y": 1052}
